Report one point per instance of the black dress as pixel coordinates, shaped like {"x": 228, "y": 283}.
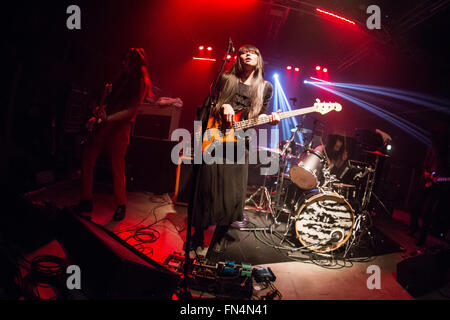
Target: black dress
{"x": 220, "y": 189}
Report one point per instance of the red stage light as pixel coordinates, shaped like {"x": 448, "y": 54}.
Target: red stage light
{"x": 335, "y": 16}
{"x": 325, "y": 70}
{"x": 209, "y": 48}
{"x": 201, "y": 48}
{"x": 297, "y": 69}
{"x": 204, "y": 59}
{"x": 289, "y": 67}
{"x": 228, "y": 57}
{"x": 318, "y": 68}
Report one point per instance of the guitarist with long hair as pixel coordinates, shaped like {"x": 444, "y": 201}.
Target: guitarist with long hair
{"x": 113, "y": 124}
{"x": 220, "y": 189}
{"x": 432, "y": 194}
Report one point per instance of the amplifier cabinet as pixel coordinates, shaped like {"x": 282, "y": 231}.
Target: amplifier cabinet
{"x": 156, "y": 121}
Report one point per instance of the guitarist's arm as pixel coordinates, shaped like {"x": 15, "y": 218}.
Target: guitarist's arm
{"x": 124, "y": 115}
{"x": 128, "y": 113}
{"x": 275, "y": 116}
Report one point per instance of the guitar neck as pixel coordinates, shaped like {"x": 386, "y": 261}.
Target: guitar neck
{"x": 106, "y": 91}
{"x": 446, "y": 179}
{"x": 245, "y": 124}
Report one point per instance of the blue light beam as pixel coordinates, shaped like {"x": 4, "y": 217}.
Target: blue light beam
{"x": 402, "y": 124}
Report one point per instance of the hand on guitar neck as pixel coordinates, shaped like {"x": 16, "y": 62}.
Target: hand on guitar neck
{"x": 99, "y": 116}
{"x": 432, "y": 178}
{"x": 228, "y": 116}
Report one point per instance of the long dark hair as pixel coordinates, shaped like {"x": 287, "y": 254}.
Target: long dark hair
{"x": 230, "y": 82}
{"x": 331, "y": 153}
{"x": 134, "y": 84}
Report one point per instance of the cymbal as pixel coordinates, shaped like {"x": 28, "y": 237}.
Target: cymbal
{"x": 293, "y": 144}
{"x": 275, "y": 150}
{"x": 378, "y": 153}
{"x": 303, "y": 130}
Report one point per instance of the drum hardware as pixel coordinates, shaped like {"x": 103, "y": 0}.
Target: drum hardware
{"x": 363, "y": 223}
{"x": 264, "y": 198}
{"x": 274, "y": 206}
{"x": 281, "y": 176}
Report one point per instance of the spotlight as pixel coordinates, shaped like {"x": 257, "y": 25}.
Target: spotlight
{"x": 325, "y": 70}
{"x": 289, "y": 67}
{"x": 388, "y": 147}
{"x": 318, "y": 68}
{"x": 228, "y": 57}
{"x": 275, "y": 76}
{"x": 297, "y": 69}
{"x": 209, "y": 48}
{"x": 201, "y": 48}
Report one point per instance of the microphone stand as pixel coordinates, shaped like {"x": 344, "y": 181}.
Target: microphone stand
{"x": 210, "y": 101}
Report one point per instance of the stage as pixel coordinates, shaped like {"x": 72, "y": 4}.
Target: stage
{"x": 298, "y": 277}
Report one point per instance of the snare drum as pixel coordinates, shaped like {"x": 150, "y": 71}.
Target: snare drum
{"x": 324, "y": 221}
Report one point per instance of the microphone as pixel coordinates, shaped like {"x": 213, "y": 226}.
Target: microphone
{"x": 230, "y": 46}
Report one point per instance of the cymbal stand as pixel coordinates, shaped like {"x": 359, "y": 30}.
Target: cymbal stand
{"x": 275, "y": 208}
{"x": 363, "y": 223}
{"x": 265, "y": 198}
{"x": 369, "y": 186}
{"x": 280, "y": 177}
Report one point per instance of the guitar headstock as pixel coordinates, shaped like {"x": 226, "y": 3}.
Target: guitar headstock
{"x": 325, "y": 107}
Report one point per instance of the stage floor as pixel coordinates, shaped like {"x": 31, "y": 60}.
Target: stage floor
{"x": 296, "y": 278}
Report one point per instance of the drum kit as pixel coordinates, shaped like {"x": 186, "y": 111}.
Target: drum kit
{"x": 324, "y": 212}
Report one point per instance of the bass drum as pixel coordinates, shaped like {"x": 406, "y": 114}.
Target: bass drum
{"x": 324, "y": 221}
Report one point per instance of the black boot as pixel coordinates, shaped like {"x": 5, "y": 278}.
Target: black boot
{"x": 197, "y": 240}
{"x": 219, "y": 241}
{"x": 119, "y": 215}
{"x": 84, "y": 208}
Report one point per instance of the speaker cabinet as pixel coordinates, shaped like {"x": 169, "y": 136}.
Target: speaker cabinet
{"x": 110, "y": 267}
{"x": 156, "y": 121}
{"x": 424, "y": 273}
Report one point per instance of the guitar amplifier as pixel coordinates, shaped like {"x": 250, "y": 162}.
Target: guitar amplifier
{"x": 156, "y": 121}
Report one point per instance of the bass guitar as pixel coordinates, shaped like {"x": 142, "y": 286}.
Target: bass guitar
{"x": 216, "y": 133}
{"x": 431, "y": 179}
{"x": 94, "y": 121}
